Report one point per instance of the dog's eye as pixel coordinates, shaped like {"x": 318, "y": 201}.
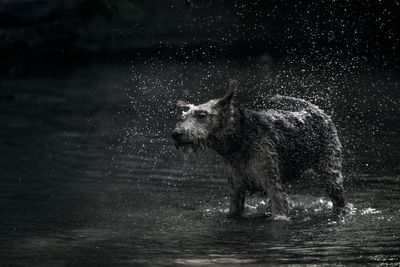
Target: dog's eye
{"x": 202, "y": 114}
{"x": 185, "y": 108}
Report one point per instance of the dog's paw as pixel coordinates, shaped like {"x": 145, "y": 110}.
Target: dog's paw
{"x": 346, "y": 209}
{"x": 234, "y": 215}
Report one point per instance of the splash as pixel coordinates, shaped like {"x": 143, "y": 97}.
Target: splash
{"x": 280, "y": 218}
{"x": 370, "y": 211}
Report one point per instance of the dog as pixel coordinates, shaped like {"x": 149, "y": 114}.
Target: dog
{"x": 263, "y": 149}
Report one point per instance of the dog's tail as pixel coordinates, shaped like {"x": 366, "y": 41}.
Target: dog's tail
{"x": 292, "y": 104}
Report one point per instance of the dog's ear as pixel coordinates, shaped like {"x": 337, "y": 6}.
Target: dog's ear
{"x": 227, "y": 99}
{"x": 183, "y": 105}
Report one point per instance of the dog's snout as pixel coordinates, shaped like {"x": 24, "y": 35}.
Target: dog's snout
{"x": 177, "y": 135}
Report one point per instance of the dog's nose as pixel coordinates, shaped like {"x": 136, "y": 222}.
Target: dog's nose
{"x": 177, "y": 135}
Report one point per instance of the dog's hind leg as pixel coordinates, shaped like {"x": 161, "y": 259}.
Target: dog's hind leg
{"x": 330, "y": 176}
{"x": 332, "y": 181}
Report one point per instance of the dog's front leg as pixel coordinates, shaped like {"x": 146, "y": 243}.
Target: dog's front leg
{"x": 237, "y": 191}
{"x": 267, "y": 174}
{"x": 278, "y": 199}
{"x": 237, "y": 198}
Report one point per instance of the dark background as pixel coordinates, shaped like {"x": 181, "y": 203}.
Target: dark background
{"x": 56, "y": 31}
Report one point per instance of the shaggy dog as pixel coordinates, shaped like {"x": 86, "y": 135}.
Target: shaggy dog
{"x": 261, "y": 149}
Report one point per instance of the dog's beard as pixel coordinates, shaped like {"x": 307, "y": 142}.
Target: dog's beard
{"x": 191, "y": 146}
{"x": 187, "y": 148}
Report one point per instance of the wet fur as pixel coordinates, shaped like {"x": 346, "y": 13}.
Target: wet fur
{"x": 263, "y": 149}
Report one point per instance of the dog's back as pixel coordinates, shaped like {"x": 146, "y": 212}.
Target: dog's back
{"x": 301, "y": 131}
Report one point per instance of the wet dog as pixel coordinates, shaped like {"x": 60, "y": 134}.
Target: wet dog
{"x": 262, "y": 149}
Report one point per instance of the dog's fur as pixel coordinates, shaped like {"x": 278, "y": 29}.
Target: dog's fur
{"x": 262, "y": 149}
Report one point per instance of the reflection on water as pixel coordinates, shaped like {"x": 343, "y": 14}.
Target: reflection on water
{"x": 90, "y": 175}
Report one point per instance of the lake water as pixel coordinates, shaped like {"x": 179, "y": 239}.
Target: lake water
{"x": 89, "y": 174}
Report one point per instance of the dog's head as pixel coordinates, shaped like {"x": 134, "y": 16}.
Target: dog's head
{"x": 203, "y": 121}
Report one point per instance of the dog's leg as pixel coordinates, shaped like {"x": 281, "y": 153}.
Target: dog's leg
{"x": 332, "y": 181}
{"x": 330, "y": 176}
{"x": 265, "y": 169}
{"x": 237, "y": 190}
{"x": 237, "y": 198}
{"x": 278, "y": 197}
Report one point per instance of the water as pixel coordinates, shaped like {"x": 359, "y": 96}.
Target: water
{"x": 90, "y": 175}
